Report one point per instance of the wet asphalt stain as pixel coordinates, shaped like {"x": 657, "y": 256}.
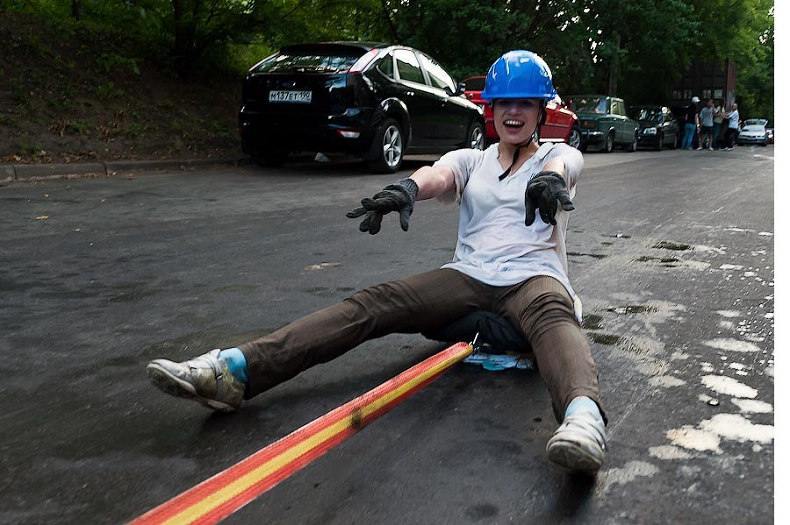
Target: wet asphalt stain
{"x": 131, "y": 292}
{"x": 592, "y": 321}
{"x": 321, "y": 291}
{"x": 607, "y": 243}
{"x": 663, "y": 260}
{"x": 66, "y": 294}
{"x": 134, "y": 193}
{"x": 593, "y": 255}
{"x": 482, "y": 511}
{"x": 240, "y": 288}
{"x": 605, "y": 339}
{"x": 632, "y": 309}
{"x": 8, "y": 285}
{"x": 669, "y": 245}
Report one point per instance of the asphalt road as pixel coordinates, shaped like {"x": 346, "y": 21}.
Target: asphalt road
{"x": 671, "y": 252}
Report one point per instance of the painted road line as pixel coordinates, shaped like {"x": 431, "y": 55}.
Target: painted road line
{"x": 226, "y": 492}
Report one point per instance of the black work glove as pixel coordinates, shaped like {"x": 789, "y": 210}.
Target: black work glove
{"x": 398, "y": 197}
{"x": 543, "y": 192}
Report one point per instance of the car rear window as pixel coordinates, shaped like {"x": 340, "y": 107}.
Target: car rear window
{"x": 475, "y": 84}
{"x": 307, "y": 63}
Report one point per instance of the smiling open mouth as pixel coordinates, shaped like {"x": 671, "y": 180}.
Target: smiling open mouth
{"x": 513, "y": 124}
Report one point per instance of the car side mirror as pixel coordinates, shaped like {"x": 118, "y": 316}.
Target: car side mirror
{"x": 452, "y": 93}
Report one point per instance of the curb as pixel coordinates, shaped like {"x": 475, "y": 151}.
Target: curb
{"x": 37, "y": 172}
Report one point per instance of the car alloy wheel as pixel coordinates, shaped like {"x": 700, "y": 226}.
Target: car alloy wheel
{"x": 575, "y": 138}
{"x": 393, "y": 146}
{"x": 476, "y": 138}
{"x": 609, "y": 143}
{"x": 386, "y": 149}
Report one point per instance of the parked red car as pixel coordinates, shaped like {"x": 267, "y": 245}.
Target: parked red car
{"x": 561, "y": 124}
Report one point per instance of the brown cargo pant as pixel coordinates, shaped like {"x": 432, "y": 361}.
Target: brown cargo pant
{"x": 541, "y": 307}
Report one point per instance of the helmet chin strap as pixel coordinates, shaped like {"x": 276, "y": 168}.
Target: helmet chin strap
{"x": 524, "y": 144}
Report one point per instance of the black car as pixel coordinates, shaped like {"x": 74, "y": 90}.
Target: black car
{"x": 657, "y": 126}
{"x": 376, "y": 101}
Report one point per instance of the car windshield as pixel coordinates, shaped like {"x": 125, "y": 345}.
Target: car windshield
{"x": 475, "y": 83}
{"x": 304, "y": 63}
{"x": 650, "y": 114}
{"x": 755, "y": 122}
{"x": 591, "y": 105}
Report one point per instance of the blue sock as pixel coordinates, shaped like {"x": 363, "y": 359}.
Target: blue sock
{"x": 582, "y": 404}
{"x": 237, "y": 364}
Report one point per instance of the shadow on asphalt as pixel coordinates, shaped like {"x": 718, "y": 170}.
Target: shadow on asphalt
{"x": 574, "y": 494}
{"x": 335, "y": 168}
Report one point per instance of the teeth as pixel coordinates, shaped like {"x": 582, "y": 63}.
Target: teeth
{"x": 510, "y": 122}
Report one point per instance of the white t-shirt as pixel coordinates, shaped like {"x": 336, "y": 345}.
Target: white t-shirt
{"x": 494, "y": 245}
{"x": 733, "y": 120}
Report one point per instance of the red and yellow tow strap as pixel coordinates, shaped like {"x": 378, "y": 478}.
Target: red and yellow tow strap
{"x": 226, "y": 492}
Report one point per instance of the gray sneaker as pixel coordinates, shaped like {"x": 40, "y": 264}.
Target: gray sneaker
{"x": 206, "y": 379}
{"x": 579, "y": 443}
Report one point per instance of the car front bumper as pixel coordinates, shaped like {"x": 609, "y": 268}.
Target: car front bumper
{"x": 592, "y": 137}
{"x": 752, "y": 140}
{"x": 647, "y": 140}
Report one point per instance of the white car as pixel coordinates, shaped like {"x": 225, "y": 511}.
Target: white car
{"x": 754, "y": 132}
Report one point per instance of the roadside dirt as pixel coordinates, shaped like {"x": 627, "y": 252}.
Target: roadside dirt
{"x": 77, "y": 96}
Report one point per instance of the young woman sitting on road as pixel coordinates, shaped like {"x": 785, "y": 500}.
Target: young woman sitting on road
{"x": 515, "y": 199}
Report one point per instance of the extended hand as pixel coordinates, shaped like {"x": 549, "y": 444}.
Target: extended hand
{"x": 398, "y": 197}
{"x": 543, "y": 192}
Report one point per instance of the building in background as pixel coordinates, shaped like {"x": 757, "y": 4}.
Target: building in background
{"x": 706, "y": 80}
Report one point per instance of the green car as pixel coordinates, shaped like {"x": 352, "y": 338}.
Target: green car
{"x": 603, "y": 123}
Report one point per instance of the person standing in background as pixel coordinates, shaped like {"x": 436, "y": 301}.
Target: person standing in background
{"x": 718, "y": 120}
{"x": 706, "y": 120}
{"x": 733, "y": 118}
{"x": 691, "y": 119}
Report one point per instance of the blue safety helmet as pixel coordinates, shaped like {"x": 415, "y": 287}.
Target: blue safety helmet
{"x": 519, "y": 74}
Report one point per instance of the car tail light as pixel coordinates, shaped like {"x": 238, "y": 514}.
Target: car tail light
{"x": 348, "y": 133}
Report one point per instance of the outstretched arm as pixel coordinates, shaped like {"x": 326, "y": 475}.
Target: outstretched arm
{"x": 425, "y": 183}
{"x": 433, "y": 181}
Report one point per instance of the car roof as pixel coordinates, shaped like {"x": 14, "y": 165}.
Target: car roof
{"x": 359, "y": 46}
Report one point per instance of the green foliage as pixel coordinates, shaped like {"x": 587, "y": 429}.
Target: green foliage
{"x": 636, "y": 48}
{"x": 113, "y": 63}
{"x": 108, "y": 90}
{"x": 76, "y": 127}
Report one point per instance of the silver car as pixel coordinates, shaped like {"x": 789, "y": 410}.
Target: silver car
{"x": 754, "y": 132}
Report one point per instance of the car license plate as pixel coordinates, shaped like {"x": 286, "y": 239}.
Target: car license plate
{"x": 297, "y": 97}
